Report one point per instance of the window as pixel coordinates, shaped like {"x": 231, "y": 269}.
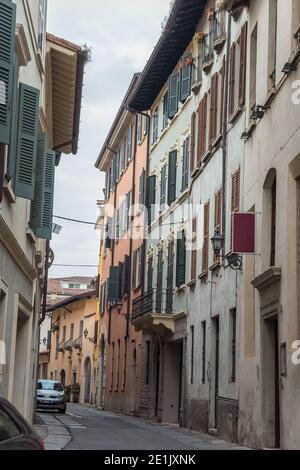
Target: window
{"x": 193, "y": 141}
{"x": 172, "y": 177}
{"x": 205, "y": 252}
{"x": 192, "y": 353}
{"x": 147, "y": 362}
{"x": 142, "y": 189}
{"x": 8, "y": 429}
{"x": 180, "y": 259}
{"x": 163, "y": 187}
{"x": 134, "y": 269}
{"x": 233, "y": 344}
{"x": 64, "y": 333}
{"x": 159, "y": 282}
{"x": 237, "y": 72}
{"x": 273, "y": 223}
{"x": 185, "y": 82}
{"x": 112, "y": 366}
{"x": 173, "y": 96}
{"x": 72, "y": 331}
{"x": 213, "y": 125}
{"x": 80, "y": 328}
{"x": 208, "y": 52}
{"x": 124, "y": 364}
{"x": 41, "y": 24}
{"x": 185, "y": 164}
{"x": 194, "y": 250}
{"x": 151, "y": 197}
{"x": 253, "y": 67}
{"x": 202, "y": 118}
{"x": 139, "y": 128}
{"x": 165, "y": 110}
{"x": 74, "y": 378}
{"x": 218, "y": 215}
{"x": 118, "y": 364}
{"x": 130, "y": 134}
{"x": 150, "y": 273}
{"x": 235, "y": 195}
{"x": 203, "y": 327}
{"x": 170, "y": 276}
{"x": 272, "y": 53}
{"x": 155, "y": 126}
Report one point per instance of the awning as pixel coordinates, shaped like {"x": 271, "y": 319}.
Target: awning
{"x": 65, "y": 68}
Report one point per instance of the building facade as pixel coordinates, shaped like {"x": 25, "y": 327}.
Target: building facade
{"x": 123, "y": 159}
{"x": 73, "y": 340}
{"x": 35, "y": 115}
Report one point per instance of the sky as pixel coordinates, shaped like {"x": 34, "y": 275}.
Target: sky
{"x": 122, "y": 35}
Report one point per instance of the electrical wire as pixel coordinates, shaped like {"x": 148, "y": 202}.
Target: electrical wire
{"x": 76, "y": 265}
{"x": 115, "y": 226}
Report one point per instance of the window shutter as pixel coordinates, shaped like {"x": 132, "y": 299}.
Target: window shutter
{"x": 142, "y": 188}
{"x": 181, "y": 260}
{"x": 37, "y": 203}
{"x": 47, "y": 197}
{"x": 49, "y": 340}
{"x": 150, "y": 273}
{"x": 194, "y": 250}
{"x": 134, "y": 263}
{"x": 173, "y": 95}
{"x": 218, "y": 215}
{"x": 185, "y": 82}
{"x": 151, "y": 197}
{"x": 11, "y": 164}
{"x": 163, "y": 175}
{"x": 113, "y": 284}
{"x": 121, "y": 268}
{"x": 172, "y": 177}
{"x": 243, "y": 62}
{"x": 193, "y": 141}
{"x": 96, "y": 332}
{"x": 27, "y": 141}
{"x": 202, "y": 111}
{"x": 7, "y": 47}
{"x": 232, "y": 79}
{"x": 129, "y": 143}
{"x": 170, "y": 275}
{"x": 206, "y": 239}
{"x": 213, "y": 109}
{"x": 125, "y": 279}
{"x": 185, "y": 164}
{"x": 235, "y": 196}
{"x": 223, "y": 71}
{"x": 141, "y": 265}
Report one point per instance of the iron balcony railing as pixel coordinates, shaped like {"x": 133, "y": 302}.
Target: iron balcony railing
{"x": 219, "y": 27}
{"x": 208, "y": 51}
{"x": 60, "y": 347}
{"x": 159, "y": 301}
{"x": 77, "y": 343}
{"x": 68, "y": 346}
{"x": 197, "y": 70}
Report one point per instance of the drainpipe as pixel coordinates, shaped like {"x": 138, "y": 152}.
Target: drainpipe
{"x": 224, "y": 134}
{"x": 44, "y": 305}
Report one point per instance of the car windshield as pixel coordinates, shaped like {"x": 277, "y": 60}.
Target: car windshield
{"x": 49, "y": 385}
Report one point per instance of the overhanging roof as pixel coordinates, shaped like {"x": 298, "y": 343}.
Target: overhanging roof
{"x": 66, "y": 62}
{"x": 72, "y": 300}
{"x": 175, "y": 38}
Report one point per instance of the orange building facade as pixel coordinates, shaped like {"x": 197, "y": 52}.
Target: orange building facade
{"x": 123, "y": 159}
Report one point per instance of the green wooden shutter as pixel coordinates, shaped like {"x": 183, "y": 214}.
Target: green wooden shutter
{"x": 151, "y": 197}
{"x": 7, "y": 47}
{"x": 185, "y": 82}
{"x": 11, "y": 164}
{"x": 181, "y": 260}
{"x": 113, "y": 284}
{"x": 27, "y": 141}
{"x": 121, "y": 268}
{"x": 173, "y": 95}
{"x": 125, "y": 276}
{"x": 141, "y": 265}
{"x": 172, "y": 177}
{"x": 37, "y": 203}
{"x": 45, "y": 230}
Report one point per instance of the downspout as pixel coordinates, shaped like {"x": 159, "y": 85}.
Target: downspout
{"x": 224, "y": 135}
{"x": 45, "y": 289}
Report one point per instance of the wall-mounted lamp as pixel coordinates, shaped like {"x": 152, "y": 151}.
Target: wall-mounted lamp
{"x": 258, "y": 112}
{"x": 234, "y": 260}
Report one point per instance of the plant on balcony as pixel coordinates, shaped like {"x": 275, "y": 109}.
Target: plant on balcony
{"x": 75, "y": 392}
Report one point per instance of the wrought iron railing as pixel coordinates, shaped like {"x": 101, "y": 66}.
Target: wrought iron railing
{"x": 197, "y": 70}
{"x": 68, "y": 346}
{"x": 208, "y": 51}
{"x": 77, "y": 343}
{"x": 157, "y": 301}
{"x": 219, "y": 27}
{"x": 60, "y": 347}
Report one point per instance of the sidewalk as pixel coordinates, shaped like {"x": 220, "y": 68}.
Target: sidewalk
{"x": 54, "y": 435}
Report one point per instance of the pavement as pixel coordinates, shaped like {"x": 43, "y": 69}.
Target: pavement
{"x": 87, "y": 428}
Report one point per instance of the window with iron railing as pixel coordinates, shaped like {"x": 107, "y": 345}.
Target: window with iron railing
{"x": 219, "y": 26}
{"x": 208, "y": 52}
{"x": 197, "y": 69}
{"x": 170, "y": 278}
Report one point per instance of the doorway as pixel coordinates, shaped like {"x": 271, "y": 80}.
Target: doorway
{"x": 63, "y": 377}
{"x": 133, "y": 379}
{"x": 87, "y": 381}
{"x": 20, "y": 361}
{"x": 216, "y": 329}
{"x": 157, "y": 379}
{"x": 271, "y": 382}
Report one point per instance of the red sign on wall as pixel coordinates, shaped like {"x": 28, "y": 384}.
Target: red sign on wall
{"x": 243, "y": 232}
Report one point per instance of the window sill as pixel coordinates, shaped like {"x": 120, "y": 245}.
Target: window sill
{"x": 206, "y": 156}
{"x": 217, "y": 141}
{"x": 30, "y": 235}
{"x": 216, "y": 266}
{"x": 235, "y": 115}
{"x": 192, "y": 283}
{"x": 9, "y": 192}
{"x": 181, "y": 289}
{"x": 203, "y": 276}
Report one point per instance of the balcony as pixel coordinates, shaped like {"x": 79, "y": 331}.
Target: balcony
{"x": 208, "y": 53}
{"x": 60, "y": 347}
{"x": 219, "y": 31}
{"x": 197, "y": 74}
{"x": 68, "y": 346}
{"x": 154, "y": 311}
{"x": 77, "y": 343}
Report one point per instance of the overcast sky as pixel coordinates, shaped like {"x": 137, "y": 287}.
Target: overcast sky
{"x": 122, "y": 35}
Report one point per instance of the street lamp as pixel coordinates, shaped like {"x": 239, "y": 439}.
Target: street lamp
{"x": 234, "y": 260}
